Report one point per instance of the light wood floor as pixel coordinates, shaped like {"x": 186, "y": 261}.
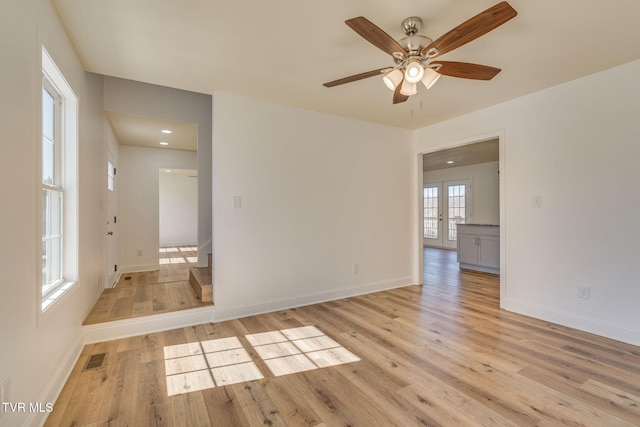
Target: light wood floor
{"x": 151, "y": 292}
{"x": 438, "y": 354}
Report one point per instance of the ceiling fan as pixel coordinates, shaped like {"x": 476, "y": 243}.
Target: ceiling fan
{"x": 415, "y": 54}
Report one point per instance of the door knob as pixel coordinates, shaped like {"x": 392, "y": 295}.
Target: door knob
{"x": 110, "y": 233}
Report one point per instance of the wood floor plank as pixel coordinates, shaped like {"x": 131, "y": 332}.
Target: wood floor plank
{"x": 150, "y": 292}
{"x": 443, "y": 353}
{"x": 222, "y": 408}
{"x": 152, "y": 401}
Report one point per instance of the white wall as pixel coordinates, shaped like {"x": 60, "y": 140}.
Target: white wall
{"x": 575, "y": 145}
{"x": 127, "y": 96}
{"x": 37, "y": 352}
{"x": 484, "y": 178}
{"x": 178, "y": 207}
{"x": 138, "y": 220}
{"x": 318, "y": 194}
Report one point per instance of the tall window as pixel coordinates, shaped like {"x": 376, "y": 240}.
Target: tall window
{"x": 52, "y": 188}
{"x": 111, "y": 174}
{"x": 58, "y": 263}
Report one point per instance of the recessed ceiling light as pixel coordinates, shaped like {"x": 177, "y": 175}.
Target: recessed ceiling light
{"x": 166, "y": 131}
{"x": 450, "y": 162}
{"x": 164, "y": 143}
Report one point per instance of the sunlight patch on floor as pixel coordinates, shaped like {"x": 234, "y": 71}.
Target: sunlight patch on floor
{"x": 207, "y": 364}
{"x": 178, "y": 255}
{"x": 299, "y": 349}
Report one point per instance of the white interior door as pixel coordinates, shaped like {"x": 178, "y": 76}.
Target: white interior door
{"x": 112, "y": 215}
{"x": 432, "y": 229}
{"x": 458, "y": 209}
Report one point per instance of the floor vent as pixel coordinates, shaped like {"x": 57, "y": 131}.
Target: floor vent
{"x": 127, "y": 278}
{"x": 95, "y": 361}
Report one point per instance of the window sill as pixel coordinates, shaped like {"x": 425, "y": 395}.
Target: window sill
{"x": 51, "y": 299}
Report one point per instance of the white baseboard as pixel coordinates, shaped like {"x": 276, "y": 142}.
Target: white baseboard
{"x": 138, "y": 268}
{"x": 57, "y": 382}
{"x": 599, "y": 327}
{"x": 182, "y": 243}
{"x": 252, "y": 309}
{"x": 125, "y": 328}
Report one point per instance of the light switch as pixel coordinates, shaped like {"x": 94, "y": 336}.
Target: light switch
{"x": 536, "y": 201}
{"x": 236, "y": 202}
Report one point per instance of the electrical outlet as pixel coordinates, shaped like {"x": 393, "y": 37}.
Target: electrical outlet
{"x": 355, "y": 269}
{"x": 139, "y": 252}
{"x": 584, "y": 291}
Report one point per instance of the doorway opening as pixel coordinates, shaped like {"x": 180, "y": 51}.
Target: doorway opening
{"x": 112, "y": 220}
{"x": 461, "y": 184}
{"x": 177, "y": 207}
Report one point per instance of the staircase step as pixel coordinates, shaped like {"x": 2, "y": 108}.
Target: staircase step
{"x": 201, "y": 281}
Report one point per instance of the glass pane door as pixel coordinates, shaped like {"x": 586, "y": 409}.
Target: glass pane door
{"x": 458, "y": 209}
{"x": 432, "y": 216}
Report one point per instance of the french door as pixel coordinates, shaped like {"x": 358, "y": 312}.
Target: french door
{"x": 446, "y": 205}
{"x": 432, "y": 230}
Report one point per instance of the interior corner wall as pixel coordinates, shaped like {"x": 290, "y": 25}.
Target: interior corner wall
{"x": 131, "y": 97}
{"x": 138, "y": 193}
{"x": 317, "y": 194}
{"x": 38, "y": 351}
{"x": 574, "y": 145}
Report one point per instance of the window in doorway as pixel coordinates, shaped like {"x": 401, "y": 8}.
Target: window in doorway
{"x": 456, "y": 209}
{"x": 431, "y": 212}
{"x": 111, "y": 173}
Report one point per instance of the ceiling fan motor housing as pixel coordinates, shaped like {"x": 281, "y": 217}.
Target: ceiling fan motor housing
{"x": 414, "y": 42}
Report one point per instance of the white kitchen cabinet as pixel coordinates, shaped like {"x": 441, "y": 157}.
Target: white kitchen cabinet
{"x": 479, "y": 247}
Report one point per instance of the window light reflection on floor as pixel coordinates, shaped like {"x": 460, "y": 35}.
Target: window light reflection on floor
{"x": 178, "y": 255}
{"x": 206, "y": 364}
{"x": 299, "y": 349}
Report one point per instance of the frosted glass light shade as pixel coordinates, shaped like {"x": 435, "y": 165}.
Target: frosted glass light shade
{"x": 408, "y": 88}
{"x": 414, "y": 72}
{"x": 430, "y": 77}
{"x": 392, "y": 79}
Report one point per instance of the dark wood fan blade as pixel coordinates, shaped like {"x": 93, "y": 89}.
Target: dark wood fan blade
{"x": 374, "y": 35}
{"x": 466, "y": 70}
{"x": 397, "y": 96}
{"x": 357, "y": 77}
{"x": 475, "y": 27}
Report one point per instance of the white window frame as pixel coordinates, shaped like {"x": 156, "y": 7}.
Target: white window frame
{"x": 66, "y": 165}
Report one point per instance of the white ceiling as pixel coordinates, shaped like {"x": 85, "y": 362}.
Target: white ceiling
{"x": 283, "y": 50}
{"x": 480, "y": 152}
{"x": 145, "y": 131}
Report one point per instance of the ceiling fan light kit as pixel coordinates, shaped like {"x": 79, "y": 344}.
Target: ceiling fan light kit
{"x": 408, "y": 88}
{"x": 393, "y": 78}
{"x": 414, "y": 71}
{"x": 414, "y": 55}
{"x": 430, "y": 78}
